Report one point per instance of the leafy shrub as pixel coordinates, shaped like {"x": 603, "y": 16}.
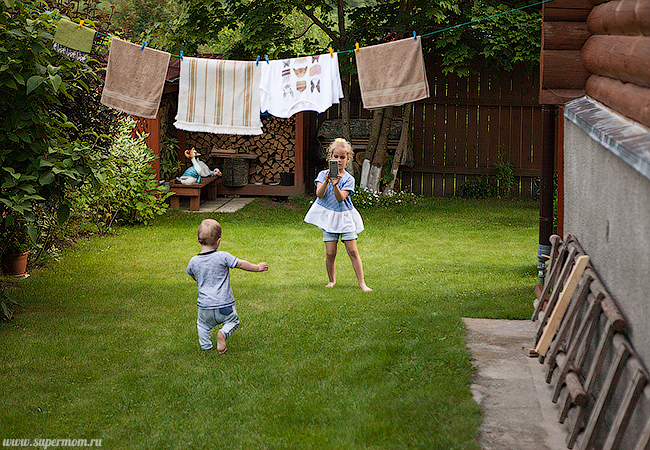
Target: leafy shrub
{"x": 505, "y": 176}
{"x": 503, "y": 182}
{"x": 126, "y": 189}
{"x": 7, "y": 304}
{"x": 481, "y": 187}
{"x": 39, "y": 160}
{"x": 170, "y": 165}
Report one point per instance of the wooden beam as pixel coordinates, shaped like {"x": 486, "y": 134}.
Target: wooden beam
{"x": 559, "y": 96}
{"x": 562, "y": 69}
{"x": 625, "y": 58}
{"x": 626, "y": 98}
{"x": 564, "y": 35}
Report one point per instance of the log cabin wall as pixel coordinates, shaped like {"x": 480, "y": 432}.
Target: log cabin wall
{"x": 618, "y": 56}
{"x": 564, "y": 31}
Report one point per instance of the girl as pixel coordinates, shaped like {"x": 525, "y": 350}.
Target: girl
{"x": 334, "y": 213}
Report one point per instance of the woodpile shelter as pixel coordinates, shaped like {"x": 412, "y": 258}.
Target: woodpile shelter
{"x": 271, "y": 164}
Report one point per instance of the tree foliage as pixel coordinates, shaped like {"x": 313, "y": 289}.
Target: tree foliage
{"x": 39, "y": 161}
{"x": 258, "y": 27}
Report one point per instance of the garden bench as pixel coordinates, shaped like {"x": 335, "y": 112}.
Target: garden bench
{"x": 193, "y": 191}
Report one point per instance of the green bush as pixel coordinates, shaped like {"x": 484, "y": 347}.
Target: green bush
{"x": 126, "y": 190}
{"x": 505, "y": 177}
{"x": 39, "y": 160}
{"x": 481, "y": 187}
{"x": 502, "y": 183}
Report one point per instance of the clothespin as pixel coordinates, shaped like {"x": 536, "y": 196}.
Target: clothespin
{"x": 80, "y": 24}
{"x": 267, "y": 58}
{"x": 415, "y": 36}
{"x": 181, "y": 55}
{"x": 331, "y": 52}
{"x": 257, "y": 62}
{"x": 356, "y": 46}
{"x": 144, "y": 44}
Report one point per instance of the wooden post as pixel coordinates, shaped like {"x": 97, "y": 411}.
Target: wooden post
{"x": 301, "y": 145}
{"x": 153, "y": 141}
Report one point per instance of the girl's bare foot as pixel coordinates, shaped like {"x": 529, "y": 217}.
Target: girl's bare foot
{"x": 365, "y": 288}
{"x": 221, "y": 343}
{"x": 330, "y": 284}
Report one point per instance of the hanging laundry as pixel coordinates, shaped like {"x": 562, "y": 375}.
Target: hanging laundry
{"x": 311, "y": 83}
{"x": 392, "y": 74}
{"x": 135, "y": 78}
{"x": 219, "y": 96}
{"x": 73, "y": 41}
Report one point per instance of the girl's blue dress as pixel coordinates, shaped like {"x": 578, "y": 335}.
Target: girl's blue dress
{"x": 333, "y": 216}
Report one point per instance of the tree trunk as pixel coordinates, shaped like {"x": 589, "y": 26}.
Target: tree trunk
{"x": 400, "y": 151}
{"x": 378, "y": 158}
{"x": 345, "y": 119}
{"x": 377, "y": 117}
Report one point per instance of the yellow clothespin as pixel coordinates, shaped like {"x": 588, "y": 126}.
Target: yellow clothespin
{"x": 80, "y": 24}
{"x": 331, "y": 52}
{"x": 356, "y": 45}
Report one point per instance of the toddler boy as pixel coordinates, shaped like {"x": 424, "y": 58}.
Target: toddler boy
{"x": 211, "y": 271}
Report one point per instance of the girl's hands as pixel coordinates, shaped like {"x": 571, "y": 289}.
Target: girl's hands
{"x": 334, "y": 181}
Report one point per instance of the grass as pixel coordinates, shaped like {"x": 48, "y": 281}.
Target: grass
{"x": 104, "y": 343}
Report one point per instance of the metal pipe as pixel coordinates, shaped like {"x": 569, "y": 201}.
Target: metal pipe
{"x": 546, "y": 188}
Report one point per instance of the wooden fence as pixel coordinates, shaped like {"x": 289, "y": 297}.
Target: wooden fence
{"x": 459, "y": 131}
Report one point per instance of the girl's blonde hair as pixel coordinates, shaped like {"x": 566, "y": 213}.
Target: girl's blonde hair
{"x": 342, "y": 144}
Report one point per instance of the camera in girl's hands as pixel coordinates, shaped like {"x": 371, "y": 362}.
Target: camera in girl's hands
{"x": 334, "y": 169}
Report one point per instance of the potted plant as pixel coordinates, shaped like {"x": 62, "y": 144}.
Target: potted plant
{"x": 15, "y": 249}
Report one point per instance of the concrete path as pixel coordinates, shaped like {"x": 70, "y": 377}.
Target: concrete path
{"x": 518, "y": 413}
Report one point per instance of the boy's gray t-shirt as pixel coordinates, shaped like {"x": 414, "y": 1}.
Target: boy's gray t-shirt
{"x": 211, "y": 271}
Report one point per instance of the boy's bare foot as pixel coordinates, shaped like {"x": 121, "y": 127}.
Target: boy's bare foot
{"x": 330, "y": 284}
{"x": 365, "y": 288}
{"x": 221, "y": 343}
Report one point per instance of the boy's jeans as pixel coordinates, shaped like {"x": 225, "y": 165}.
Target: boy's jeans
{"x": 210, "y": 318}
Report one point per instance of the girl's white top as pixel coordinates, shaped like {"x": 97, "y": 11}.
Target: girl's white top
{"x": 333, "y": 216}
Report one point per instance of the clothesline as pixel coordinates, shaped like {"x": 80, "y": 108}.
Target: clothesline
{"x": 341, "y": 51}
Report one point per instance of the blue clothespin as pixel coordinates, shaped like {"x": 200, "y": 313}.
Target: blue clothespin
{"x": 144, "y": 44}
{"x": 267, "y": 58}
{"x": 415, "y": 36}
{"x": 181, "y": 55}
{"x": 257, "y": 63}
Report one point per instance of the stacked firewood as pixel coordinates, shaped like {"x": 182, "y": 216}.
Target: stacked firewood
{"x": 274, "y": 149}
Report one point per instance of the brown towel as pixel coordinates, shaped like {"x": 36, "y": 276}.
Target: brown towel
{"x": 135, "y": 78}
{"x": 392, "y": 73}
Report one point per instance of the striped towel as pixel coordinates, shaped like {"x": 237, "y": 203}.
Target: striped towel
{"x": 135, "y": 78}
{"x": 219, "y": 96}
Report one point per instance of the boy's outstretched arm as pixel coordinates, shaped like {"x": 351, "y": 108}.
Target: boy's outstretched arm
{"x": 250, "y": 267}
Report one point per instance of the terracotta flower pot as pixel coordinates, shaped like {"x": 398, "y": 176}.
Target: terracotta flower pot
{"x": 14, "y": 265}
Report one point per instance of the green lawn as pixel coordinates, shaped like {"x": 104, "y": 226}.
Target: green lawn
{"x": 104, "y": 344}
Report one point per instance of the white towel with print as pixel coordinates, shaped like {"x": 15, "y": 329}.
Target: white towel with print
{"x": 310, "y": 83}
{"x": 219, "y": 96}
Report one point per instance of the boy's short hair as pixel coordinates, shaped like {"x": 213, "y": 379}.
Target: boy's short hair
{"x": 209, "y": 232}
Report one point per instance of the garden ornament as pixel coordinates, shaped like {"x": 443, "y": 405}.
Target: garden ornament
{"x": 197, "y": 170}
